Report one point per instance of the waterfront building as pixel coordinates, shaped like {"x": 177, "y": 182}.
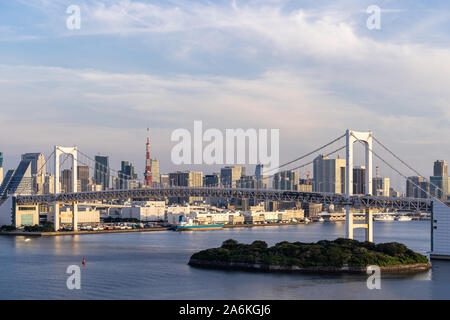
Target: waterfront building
{"x": 329, "y": 174}
{"x": 230, "y": 175}
{"x": 102, "y": 171}
{"x": 86, "y": 215}
{"x": 145, "y": 211}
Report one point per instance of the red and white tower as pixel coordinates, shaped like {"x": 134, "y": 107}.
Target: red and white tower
{"x": 148, "y": 164}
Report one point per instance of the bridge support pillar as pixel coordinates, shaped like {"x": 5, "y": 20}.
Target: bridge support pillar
{"x": 56, "y": 216}
{"x": 75, "y": 216}
{"x": 369, "y": 223}
{"x": 348, "y": 223}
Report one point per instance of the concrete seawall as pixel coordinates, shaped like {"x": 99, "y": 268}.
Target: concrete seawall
{"x": 71, "y": 233}
{"x": 394, "y": 269}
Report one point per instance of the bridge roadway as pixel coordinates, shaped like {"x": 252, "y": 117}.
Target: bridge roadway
{"x": 355, "y": 201}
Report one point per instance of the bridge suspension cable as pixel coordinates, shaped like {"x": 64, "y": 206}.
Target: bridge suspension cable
{"x": 308, "y": 154}
{"x": 391, "y": 166}
{"x": 407, "y": 165}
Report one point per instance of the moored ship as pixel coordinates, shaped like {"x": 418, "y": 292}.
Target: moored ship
{"x": 191, "y": 226}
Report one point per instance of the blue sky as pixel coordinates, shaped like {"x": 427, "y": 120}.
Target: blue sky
{"x": 310, "y": 68}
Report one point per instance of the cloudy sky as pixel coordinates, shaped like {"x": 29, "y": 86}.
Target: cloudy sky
{"x": 309, "y": 68}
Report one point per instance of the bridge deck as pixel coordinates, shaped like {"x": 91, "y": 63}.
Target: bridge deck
{"x": 356, "y": 201}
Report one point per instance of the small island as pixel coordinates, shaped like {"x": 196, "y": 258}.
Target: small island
{"x": 338, "y": 256}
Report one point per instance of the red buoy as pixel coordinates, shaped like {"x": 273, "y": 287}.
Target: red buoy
{"x": 84, "y": 261}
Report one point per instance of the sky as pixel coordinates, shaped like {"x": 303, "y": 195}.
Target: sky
{"x": 309, "y": 68}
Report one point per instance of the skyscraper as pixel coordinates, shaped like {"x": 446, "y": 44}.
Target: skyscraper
{"x": 127, "y": 177}
{"x": 156, "y": 179}
{"x": 262, "y": 180}
{"x": 1, "y": 168}
{"x": 229, "y": 175}
{"x": 329, "y": 174}
{"x": 417, "y": 187}
{"x": 83, "y": 178}
{"x": 211, "y": 180}
{"x": 37, "y": 162}
{"x": 440, "y": 168}
{"x": 381, "y": 187}
{"x": 148, "y": 165}
{"x": 286, "y": 180}
{"x": 66, "y": 181}
{"x": 359, "y": 180}
{"x": 102, "y": 173}
{"x": 185, "y": 179}
{"x": 440, "y": 181}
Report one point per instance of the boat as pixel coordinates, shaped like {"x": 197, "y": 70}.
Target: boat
{"x": 193, "y": 227}
{"x": 384, "y": 218}
{"x": 403, "y": 218}
{"x": 189, "y": 225}
{"x": 321, "y": 219}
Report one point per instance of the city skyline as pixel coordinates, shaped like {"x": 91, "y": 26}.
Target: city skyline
{"x": 97, "y": 89}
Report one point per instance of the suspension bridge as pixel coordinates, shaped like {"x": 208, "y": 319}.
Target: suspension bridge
{"x": 348, "y": 200}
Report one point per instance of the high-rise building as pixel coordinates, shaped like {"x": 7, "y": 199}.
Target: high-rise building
{"x": 185, "y": 179}
{"x": 329, "y": 175}
{"x": 440, "y": 187}
{"x": 359, "y": 180}
{"x": 19, "y": 181}
{"x": 156, "y": 179}
{"x": 440, "y": 181}
{"x": 286, "y": 180}
{"x": 262, "y": 181}
{"x": 83, "y": 178}
{"x": 440, "y": 168}
{"x": 1, "y": 168}
{"x": 247, "y": 182}
{"x": 381, "y": 187}
{"x": 37, "y": 163}
{"x": 127, "y": 179}
{"x": 229, "y": 175}
{"x": 148, "y": 177}
{"x": 102, "y": 172}
{"x": 417, "y": 187}
{"x": 38, "y": 170}
{"x": 165, "y": 181}
{"x": 66, "y": 181}
{"x": 211, "y": 180}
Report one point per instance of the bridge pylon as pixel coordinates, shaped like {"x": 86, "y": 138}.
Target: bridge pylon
{"x": 74, "y": 153}
{"x": 351, "y": 138}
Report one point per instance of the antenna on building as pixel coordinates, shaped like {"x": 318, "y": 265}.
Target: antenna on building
{"x": 148, "y": 164}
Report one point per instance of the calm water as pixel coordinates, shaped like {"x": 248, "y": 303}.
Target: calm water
{"x": 154, "y": 266}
